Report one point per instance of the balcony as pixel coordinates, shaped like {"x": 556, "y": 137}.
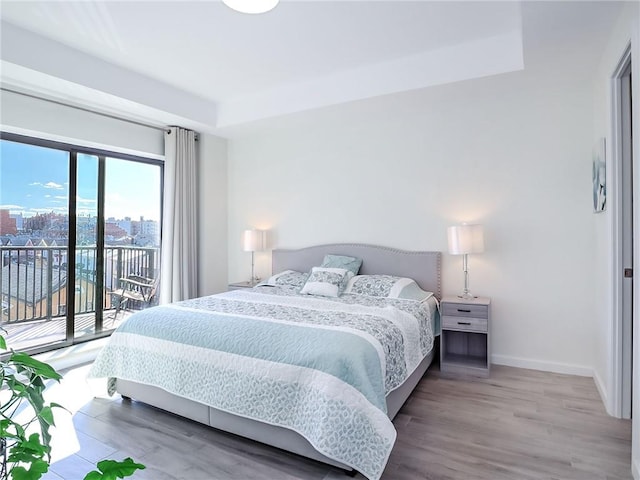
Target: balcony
{"x": 33, "y": 288}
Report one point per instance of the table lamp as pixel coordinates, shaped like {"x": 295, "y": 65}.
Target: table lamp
{"x": 253, "y": 241}
{"x": 463, "y": 240}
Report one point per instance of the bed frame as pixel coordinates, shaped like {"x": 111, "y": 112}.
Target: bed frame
{"x": 423, "y": 267}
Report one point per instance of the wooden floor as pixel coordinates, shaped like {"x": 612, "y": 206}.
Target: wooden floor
{"x": 516, "y": 425}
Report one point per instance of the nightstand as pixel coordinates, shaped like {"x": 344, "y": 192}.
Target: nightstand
{"x": 241, "y": 285}
{"x": 465, "y": 341}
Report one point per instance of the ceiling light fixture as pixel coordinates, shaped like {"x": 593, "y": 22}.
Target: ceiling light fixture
{"x": 251, "y": 6}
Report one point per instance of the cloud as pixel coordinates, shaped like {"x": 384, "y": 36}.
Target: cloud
{"x": 50, "y": 209}
{"x": 12, "y": 208}
{"x": 52, "y": 185}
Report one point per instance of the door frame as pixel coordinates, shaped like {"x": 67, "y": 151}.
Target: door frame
{"x": 620, "y": 354}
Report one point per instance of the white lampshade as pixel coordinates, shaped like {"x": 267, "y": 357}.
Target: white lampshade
{"x": 251, "y": 6}
{"x": 253, "y": 240}
{"x": 465, "y": 239}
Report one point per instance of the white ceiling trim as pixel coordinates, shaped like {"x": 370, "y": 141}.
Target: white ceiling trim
{"x": 23, "y": 80}
{"x": 73, "y": 75}
{"x": 480, "y": 58}
{"x": 82, "y": 79}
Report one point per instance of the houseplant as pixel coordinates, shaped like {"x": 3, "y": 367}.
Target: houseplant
{"x": 26, "y": 455}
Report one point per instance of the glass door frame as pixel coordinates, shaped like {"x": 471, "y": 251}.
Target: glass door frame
{"x": 102, "y": 155}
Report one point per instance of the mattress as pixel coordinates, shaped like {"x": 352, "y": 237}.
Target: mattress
{"x": 321, "y": 367}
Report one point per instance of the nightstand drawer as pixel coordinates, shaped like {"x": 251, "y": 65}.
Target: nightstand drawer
{"x": 465, "y": 310}
{"x": 467, "y": 324}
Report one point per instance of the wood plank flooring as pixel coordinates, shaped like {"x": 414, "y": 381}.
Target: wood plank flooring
{"x": 517, "y": 425}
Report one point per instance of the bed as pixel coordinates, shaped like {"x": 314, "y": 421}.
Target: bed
{"x": 243, "y": 407}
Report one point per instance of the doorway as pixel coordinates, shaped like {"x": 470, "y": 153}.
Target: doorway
{"x": 623, "y": 156}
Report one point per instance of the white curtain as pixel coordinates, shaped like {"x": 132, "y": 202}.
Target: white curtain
{"x": 179, "y": 267}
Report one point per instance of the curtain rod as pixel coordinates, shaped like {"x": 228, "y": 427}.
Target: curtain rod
{"x": 155, "y": 127}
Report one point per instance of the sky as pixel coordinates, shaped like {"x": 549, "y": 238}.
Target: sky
{"x": 36, "y": 180}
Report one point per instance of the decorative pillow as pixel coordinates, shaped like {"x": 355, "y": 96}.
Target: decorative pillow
{"x": 412, "y": 291}
{"x": 287, "y": 278}
{"x": 387, "y": 286}
{"x": 352, "y": 264}
{"x": 327, "y": 282}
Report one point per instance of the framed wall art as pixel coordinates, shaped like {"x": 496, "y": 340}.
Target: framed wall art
{"x": 599, "y": 176}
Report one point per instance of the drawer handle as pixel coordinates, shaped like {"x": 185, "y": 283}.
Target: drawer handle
{"x": 464, "y": 323}
{"x": 464, "y": 311}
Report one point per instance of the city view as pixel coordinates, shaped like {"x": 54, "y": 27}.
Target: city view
{"x": 35, "y": 233}
{"x": 47, "y": 228}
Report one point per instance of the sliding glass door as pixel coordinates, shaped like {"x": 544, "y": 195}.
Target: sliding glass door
{"x": 34, "y": 213}
{"x": 132, "y": 202}
{"x": 79, "y": 240}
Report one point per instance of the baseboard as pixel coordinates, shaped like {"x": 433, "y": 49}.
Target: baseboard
{"x": 566, "y": 368}
{"x": 603, "y": 394}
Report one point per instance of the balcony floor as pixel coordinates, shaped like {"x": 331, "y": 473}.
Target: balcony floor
{"x": 29, "y": 334}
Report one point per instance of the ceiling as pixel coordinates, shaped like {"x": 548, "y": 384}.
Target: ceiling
{"x": 204, "y": 66}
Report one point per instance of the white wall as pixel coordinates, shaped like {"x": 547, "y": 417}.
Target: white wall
{"x": 35, "y": 117}
{"x": 212, "y": 214}
{"x": 511, "y": 151}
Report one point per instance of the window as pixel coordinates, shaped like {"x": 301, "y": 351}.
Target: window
{"x": 75, "y": 223}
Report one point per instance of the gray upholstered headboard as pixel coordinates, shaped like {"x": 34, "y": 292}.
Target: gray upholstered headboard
{"x": 423, "y": 267}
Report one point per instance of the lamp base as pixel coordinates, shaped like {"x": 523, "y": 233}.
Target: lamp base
{"x": 467, "y": 296}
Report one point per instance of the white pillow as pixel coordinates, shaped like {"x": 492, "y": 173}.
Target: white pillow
{"x": 387, "y": 286}
{"x": 326, "y": 282}
{"x": 287, "y": 278}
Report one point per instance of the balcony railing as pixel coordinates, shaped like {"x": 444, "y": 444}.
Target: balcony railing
{"x": 33, "y": 284}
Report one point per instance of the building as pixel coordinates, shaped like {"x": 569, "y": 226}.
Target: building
{"x": 27, "y": 294}
{"x": 113, "y": 231}
{"x": 19, "y": 221}
{"x": 126, "y": 225}
{"x": 7, "y": 223}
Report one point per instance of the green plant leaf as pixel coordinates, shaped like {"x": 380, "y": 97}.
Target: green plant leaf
{"x": 20, "y": 473}
{"x": 5, "y": 424}
{"x": 46, "y": 414}
{"x": 112, "y": 469}
{"x": 94, "y": 476}
{"x": 3, "y": 343}
{"x": 41, "y": 369}
{"x": 35, "y": 472}
{"x": 28, "y": 450}
{"x": 57, "y": 405}
{"x": 16, "y": 385}
{"x": 11, "y": 429}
